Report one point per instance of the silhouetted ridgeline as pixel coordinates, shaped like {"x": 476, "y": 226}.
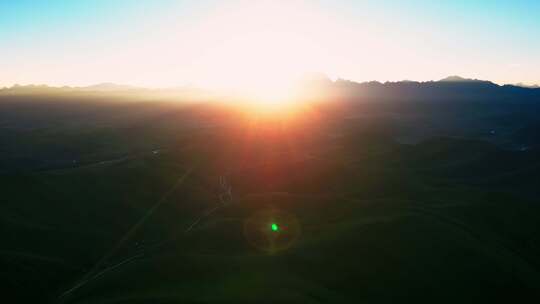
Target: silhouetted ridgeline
{"x": 449, "y": 88}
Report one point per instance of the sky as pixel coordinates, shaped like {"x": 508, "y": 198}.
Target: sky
{"x": 236, "y": 44}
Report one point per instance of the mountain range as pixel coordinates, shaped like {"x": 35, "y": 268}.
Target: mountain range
{"x": 452, "y": 88}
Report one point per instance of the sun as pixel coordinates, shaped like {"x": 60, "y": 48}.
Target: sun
{"x": 265, "y": 74}
{"x": 269, "y": 89}
{"x": 258, "y": 55}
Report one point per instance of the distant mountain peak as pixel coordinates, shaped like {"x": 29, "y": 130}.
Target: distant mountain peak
{"x": 455, "y": 78}
{"x": 528, "y": 86}
{"x": 107, "y": 86}
{"x": 315, "y": 79}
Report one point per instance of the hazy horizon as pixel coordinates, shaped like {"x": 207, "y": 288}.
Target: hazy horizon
{"x": 193, "y": 86}
{"x": 213, "y": 44}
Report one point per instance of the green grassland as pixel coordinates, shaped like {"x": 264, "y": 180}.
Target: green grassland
{"x": 98, "y": 209}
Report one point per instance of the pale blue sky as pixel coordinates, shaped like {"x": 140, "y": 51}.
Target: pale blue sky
{"x": 230, "y": 43}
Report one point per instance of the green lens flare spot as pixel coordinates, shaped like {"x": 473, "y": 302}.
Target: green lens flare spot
{"x": 274, "y": 227}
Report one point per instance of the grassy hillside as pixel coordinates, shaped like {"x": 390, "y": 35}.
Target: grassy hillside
{"x": 127, "y": 205}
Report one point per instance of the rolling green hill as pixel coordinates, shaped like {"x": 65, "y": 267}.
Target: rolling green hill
{"x": 127, "y": 203}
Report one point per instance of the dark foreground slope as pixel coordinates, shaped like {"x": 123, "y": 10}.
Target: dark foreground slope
{"x": 128, "y": 202}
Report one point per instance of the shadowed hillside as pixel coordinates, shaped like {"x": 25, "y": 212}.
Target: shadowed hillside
{"x": 414, "y": 192}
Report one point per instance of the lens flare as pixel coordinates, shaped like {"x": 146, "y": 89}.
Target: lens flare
{"x": 272, "y": 230}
